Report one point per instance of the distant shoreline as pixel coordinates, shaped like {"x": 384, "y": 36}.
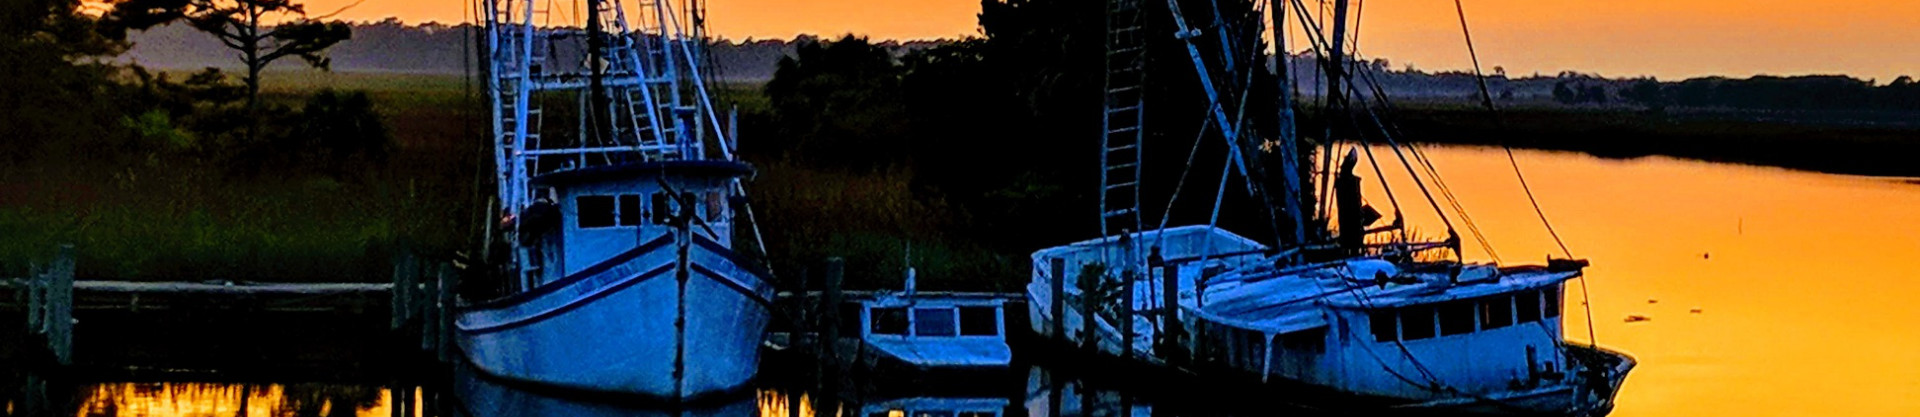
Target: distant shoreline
{"x": 1847, "y": 143}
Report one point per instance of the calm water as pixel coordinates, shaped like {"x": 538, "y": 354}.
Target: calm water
{"x": 1766, "y": 292}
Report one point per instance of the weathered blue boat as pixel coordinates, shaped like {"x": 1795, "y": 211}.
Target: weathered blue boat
{"x": 1338, "y": 307}
{"x": 615, "y": 255}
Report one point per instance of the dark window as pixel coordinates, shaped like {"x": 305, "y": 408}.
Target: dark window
{"x": 979, "y": 321}
{"x": 1456, "y": 317}
{"x": 934, "y": 322}
{"x": 630, "y": 210}
{"x": 889, "y": 321}
{"x": 877, "y": 414}
{"x": 694, "y": 201}
{"x": 975, "y": 414}
{"x": 933, "y": 413}
{"x": 1526, "y": 305}
{"x": 1383, "y": 325}
{"x": 1496, "y": 312}
{"x": 714, "y": 207}
{"x": 594, "y": 210}
{"x": 1416, "y": 322}
{"x": 1312, "y": 340}
{"x": 1552, "y": 305}
{"x": 850, "y": 318}
{"x": 662, "y": 208}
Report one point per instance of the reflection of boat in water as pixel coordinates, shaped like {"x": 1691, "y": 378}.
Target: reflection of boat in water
{"x": 1050, "y": 396}
{"x": 479, "y": 396}
{"x": 618, "y": 269}
{"x": 1336, "y": 308}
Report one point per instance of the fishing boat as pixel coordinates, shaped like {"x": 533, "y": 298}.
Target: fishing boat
{"x": 1360, "y": 313}
{"x": 614, "y": 257}
{"x": 939, "y": 341}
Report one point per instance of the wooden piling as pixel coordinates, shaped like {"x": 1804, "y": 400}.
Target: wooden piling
{"x": 446, "y": 279}
{"x": 1126, "y": 314}
{"x": 402, "y": 292}
{"x": 1089, "y": 303}
{"x": 57, "y": 320}
{"x": 1059, "y": 300}
{"x": 1171, "y": 345}
{"x": 829, "y": 324}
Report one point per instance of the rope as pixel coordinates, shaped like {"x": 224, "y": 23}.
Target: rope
{"x": 1486, "y": 98}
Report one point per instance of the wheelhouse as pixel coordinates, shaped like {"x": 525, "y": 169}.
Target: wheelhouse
{"x": 585, "y": 216}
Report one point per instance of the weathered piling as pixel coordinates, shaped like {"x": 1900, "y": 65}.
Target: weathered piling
{"x": 1126, "y": 314}
{"x": 1058, "y": 309}
{"x": 1089, "y": 303}
{"x": 449, "y": 279}
{"x": 829, "y": 322}
{"x": 50, "y": 306}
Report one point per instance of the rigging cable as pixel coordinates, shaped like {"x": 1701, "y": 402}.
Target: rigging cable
{"x": 1486, "y": 98}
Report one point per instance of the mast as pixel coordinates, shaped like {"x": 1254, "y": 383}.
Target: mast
{"x": 596, "y": 80}
{"x": 1289, "y": 146}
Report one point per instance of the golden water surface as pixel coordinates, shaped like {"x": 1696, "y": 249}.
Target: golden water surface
{"x": 1766, "y": 292}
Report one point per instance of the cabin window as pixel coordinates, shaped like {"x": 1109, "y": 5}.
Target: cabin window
{"x": 1456, "y": 317}
{"x": 714, "y": 207}
{"x": 662, "y": 208}
{"x": 630, "y": 211}
{"x": 1382, "y": 322}
{"x": 1496, "y": 312}
{"x": 979, "y": 321}
{"x": 878, "y": 414}
{"x": 927, "y": 413}
{"x": 934, "y": 322}
{"x": 976, "y": 414}
{"x": 889, "y": 321}
{"x": 850, "y": 318}
{"x": 593, "y": 211}
{"x": 1416, "y": 322}
{"x": 689, "y": 198}
{"x": 1312, "y": 340}
{"x": 1527, "y": 306}
{"x": 1552, "y": 302}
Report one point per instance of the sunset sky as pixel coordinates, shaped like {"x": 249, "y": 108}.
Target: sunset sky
{"x": 1664, "y": 38}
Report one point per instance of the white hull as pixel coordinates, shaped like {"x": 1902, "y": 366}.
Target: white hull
{"x": 611, "y": 327}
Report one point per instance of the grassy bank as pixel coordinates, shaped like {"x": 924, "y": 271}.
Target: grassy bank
{"x": 169, "y": 220}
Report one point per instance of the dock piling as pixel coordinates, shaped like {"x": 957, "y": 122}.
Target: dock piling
{"x": 1058, "y": 300}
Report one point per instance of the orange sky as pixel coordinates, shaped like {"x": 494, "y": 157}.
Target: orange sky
{"x": 1665, "y": 38}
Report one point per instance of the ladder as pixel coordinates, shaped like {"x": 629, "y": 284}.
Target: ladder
{"x": 1121, "y": 120}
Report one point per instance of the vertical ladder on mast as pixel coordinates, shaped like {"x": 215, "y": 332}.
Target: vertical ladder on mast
{"x": 1122, "y": 118}
{"x": 642, "y": 50}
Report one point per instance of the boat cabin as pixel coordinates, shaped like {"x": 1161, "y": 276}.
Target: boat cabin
{"x": 937, "y": 330}
{"x": 584, "y": 217}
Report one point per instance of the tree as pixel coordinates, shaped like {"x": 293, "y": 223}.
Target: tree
{"x": 55, "y": 91}
{"x": 839, "y": 103}
{"x": 241, "y": 25}
{"x": 1563, "y": 94}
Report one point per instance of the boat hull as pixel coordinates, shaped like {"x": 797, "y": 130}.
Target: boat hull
{"x": 612, "y": 327}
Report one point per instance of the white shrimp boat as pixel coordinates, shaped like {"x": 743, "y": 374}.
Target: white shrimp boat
{"x": 1359, "y": 314}
{"x": 618, "y": 270}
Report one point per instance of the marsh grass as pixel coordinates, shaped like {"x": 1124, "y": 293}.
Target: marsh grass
{"x": 175, "y": 220}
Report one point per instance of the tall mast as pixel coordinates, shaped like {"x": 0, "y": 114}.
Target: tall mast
{"x": 1288, "y": 148}
{"x": 596, "y": 81}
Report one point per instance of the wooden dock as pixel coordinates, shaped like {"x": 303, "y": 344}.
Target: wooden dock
{"x": 412, "y": 304}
